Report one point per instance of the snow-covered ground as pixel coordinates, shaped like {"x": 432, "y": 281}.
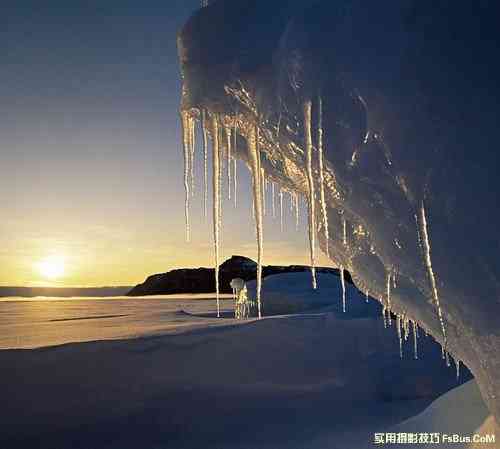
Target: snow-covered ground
{"x": 165, "y": 373}
{"x": 459, "y": 415}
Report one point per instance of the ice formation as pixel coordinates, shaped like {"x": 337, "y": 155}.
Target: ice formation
{"x": 216, "y": 187}
{"x": 342, "y": 282}
{"x": 324, "y": 211}
{"x": 228, "y": 163}
{"x": 255, "y": 163}
{"x": 187, "y": 170}
{"x": 204, "y": 129}
{"x": 428, "y": 263}
{"x": 281, "y": 209}
{"x": 311, "y": 197}
{"x": 367, "y": 92}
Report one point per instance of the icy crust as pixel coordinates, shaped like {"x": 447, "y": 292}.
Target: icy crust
{"x": 393, "y": 146}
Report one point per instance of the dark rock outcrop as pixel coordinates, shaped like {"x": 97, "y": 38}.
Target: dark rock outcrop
{"x": 202, "y": 280}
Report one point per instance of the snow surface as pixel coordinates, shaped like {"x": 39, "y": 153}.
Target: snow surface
{"x": 165, "y": 372}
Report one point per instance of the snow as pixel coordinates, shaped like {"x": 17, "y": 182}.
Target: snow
{"x": 460, "y": 411}
{"x": 147, "y": 372}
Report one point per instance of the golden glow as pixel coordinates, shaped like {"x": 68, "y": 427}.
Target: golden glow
{"x": 52, "y": 267}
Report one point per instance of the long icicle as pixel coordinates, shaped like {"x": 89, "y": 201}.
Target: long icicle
{"x": 400, "y": 337}
{"x": 205, "y": 160}
{"x": 273, "y": 194}
{"x": 281, "y": 209}
{"x": 192, "y": 145}
{"x": 415, "y": 340}
{"x": 254, "y": 154}
{"x": 344, "y": 230}
{"x": 296, "y": 211}
{"x": 311, "y": 196}
{"x": 228, "y": 144}
{"x": 235, "y": 179}
{"x": 430, "y": 271}
{"x": 322, "y": 175}
{"x": 216, "y": 201}
{"x": 187, "y": 170}
{"x": 263, "y": 180}
{"x": 235, "y": 185}
{"x": 388, "y": 294}
{"x": 342, "y": 282}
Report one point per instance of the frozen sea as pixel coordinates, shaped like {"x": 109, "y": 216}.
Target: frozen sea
{"x": 47, "y": 321}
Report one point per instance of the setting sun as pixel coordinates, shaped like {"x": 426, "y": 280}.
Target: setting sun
{"x": 51, "y": 267}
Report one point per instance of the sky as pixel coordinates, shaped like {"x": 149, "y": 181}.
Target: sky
{"x": 91, "y": 162}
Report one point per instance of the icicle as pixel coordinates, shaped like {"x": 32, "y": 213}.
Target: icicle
{"x": 457, "y": 365}
{"x": 322, "y": 175}
{"x": 342, "y": 282}
{"x": 216, "y": 177}
{"x": 192, "y": 142}
{"x": 367, "y": 295}
{"x": 344, "y": 231}
{"x": 388, "y": 294}
{"x": 273, "y": 194}
{"x": 281, "y": 209}
{"x": 296, "y": 211}
{"x": 311, "y": 196}
{"x": 187, "y": 169}
{"x": 235, "y": 186}
{"x": 430, "y": 271}
{"x": 400, "y": 338}
{"x": 415, "y": 342}
{"x": 205, "y": 160}
{"x": 406, "y": 325}
{"x": 254, "y": 153}
{"x": 290, "y": 196}
{"x": 264, "y": 205}
{"x": 228, "y": 144}
{"x": 384, "y": 308}
{"x": 447, "y": 359}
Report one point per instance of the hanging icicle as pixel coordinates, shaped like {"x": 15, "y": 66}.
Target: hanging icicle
{"x": 254, "y": 156}
{"x": 228, "y": 163}
{"x": 264, "y": 205}
{"x": 296, "y": 197}
{"x": 457, "y": 366}
{"x": 235, "y": 186}
{"x": 322, "y": 176}
{"x": 344, "y": 230}
{"x": 415, "y": 340}
{"x": 342, "y": 282}
{"x": 192, "y": 146}
{"x": 216, "y": 178}
{"x": 388, "y": 294}
{"x": 281, "y": 209}
{"x": 400, "y": 337}
{"x": 367, "y": 294}
{"x": 187, "y": 170}
{"x": 273, "y": 194}
{"x": 428, "y": 263}
{"x": 204, "y": 128}
{"x": 311, "y": 195}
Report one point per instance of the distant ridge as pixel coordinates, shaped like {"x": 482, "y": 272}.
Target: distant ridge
{"x": 202, "y": 280}
{"x": 62, "y": 292}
